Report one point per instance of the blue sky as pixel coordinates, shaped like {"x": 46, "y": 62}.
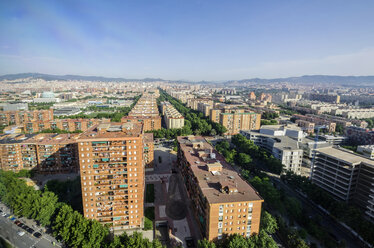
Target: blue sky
{"x": 188, "y": 40}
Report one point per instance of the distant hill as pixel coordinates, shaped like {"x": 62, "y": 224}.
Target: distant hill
{"x": 48, "y": 77}
{"x": 313, "y": 79}
{"x": 307, "y": 79}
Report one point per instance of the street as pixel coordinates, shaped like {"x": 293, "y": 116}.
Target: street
{"x": 326, "y": 221}
{"x": 171, "y": 201}
{"x": 9, "y": 231}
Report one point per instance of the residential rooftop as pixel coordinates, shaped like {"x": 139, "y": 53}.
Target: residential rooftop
{"x": 112, "y": 130}
{"x": 218, "y": 181}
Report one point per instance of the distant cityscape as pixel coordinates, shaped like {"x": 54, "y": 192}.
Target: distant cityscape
{"x": 189, "y": 164}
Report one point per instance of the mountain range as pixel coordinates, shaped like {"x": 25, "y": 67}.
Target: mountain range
{"x": 307, "y": 79}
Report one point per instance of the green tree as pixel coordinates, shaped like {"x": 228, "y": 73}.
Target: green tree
{"x": 268, "y": 223}
{"x": 244, "y": 159}
{"x": 204, "y": 243}
{"x": 45, "y": 206}
{"x": 237, "y": 241}
{"x": 262, "y": 240}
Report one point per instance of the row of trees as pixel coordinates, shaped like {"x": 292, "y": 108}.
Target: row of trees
{"x": 370, "y": 122}
{"x": 66, "y": 223}
{"x": 40, "y": 106}
{"x": 269, "y": 115}
{"x": 244, "y": 145}
{"x": 269, "y": 122}
{"x": 351, "y": 215}
{"x": 199, "y": 124}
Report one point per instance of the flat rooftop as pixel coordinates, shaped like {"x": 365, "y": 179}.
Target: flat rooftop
{"x": 211, "y": 182}
{"x": 345, "y": 155}
{"x": 112, "y": 130}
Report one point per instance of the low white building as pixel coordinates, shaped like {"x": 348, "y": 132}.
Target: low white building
{"x": 367, "y": 151}
{"x": 282, "y": 147}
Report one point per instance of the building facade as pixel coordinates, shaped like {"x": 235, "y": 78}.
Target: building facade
{"x": 45, "y": 153}
{"x": 282, "y": 147}
{"x": 146, "y": 112}
{"x": 20, "y": 117}
{"x": 360, "y": 136}
{"x": 172, "y": 118}
{"x": 223, "y": 203}
{"x": 237, "y": 120}
{"x": 347, "y": 176}
{"x": 112, "y": 174}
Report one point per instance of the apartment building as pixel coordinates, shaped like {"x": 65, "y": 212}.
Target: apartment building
{"x": 325, "y": 98}
{"x": 148, "y": 151}
{"x": 172, "y": 118}
{"x": 347, "y": 176}
{"x": 204, "y": 108}
{"x": 112, "y": 174}
{"x": 223, "y": 203}
{"x": 345, "y": 122}
{"x": 280, "y": 145}
{"x": 264, "y": 97}
{"x": 330, "y": 126}
{"x": 214, "y": 114}
{"x": 307, "y": 126}
{"x": 237, "y": 120}
{"x": 183, "y": 96}
{"x": 252, "y": 96}
{"x": 45, "y": 153}
{"x": 70, "y": 125}
{"x": 146, "y": 112}
{"x": 359, "y": 136}
{"x": 55, "y": 153}
{"x": 21, "y": 116}
{"x": 149, "y": 122}
{"x": 359, "y": 113}
{"x": 367, "y": 151}
{"x": 193, "y": 103}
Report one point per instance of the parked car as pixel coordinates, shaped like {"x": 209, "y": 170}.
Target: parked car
{"x": 37, "y": 235}
{"x": 21, "y": 225}
{"x": 25, "y": 227}
{"x": 30, "y": 230}
{"x": 17, "y": 222}
{"x": 13, "y": 218}
{"x": 21, "y": 233}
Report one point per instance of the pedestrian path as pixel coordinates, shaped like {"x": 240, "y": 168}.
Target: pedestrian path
{"x": 157, "y": 177}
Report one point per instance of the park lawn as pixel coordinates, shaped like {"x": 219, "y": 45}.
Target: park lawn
{"x": 149, "y": 214}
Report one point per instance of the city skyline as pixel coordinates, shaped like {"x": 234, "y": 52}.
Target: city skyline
{"x": 187, "y": 40}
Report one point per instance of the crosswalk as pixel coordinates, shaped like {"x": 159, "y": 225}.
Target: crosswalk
{"x": 157, "y": 177}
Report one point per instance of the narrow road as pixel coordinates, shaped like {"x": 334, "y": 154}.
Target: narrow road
{"x": 327, "y": 221}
